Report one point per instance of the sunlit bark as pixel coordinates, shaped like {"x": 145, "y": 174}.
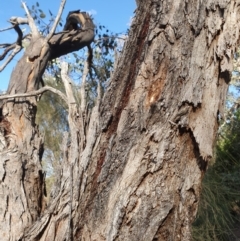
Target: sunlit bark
{"x": 133, "y": 170}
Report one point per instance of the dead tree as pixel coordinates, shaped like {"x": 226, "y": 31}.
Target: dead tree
{"x": 133, "y": 170}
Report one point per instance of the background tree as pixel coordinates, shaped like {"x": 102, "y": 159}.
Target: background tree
{"x": 51, "y": 112}
{"x": 133, "y": 170}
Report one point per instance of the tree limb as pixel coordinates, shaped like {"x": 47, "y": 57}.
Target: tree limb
{"x": 31, "y": 22}
{"x": 67, "y": 83}
{"x": 36, "y": 92}
{"x": 5, "y": 29}
{"x": 20, "y": 34}
{"x": 17, "y": 49}
{"x": 73, "y": 39}
{"x": 6, "y": 51}
{"x": 18, "y": 20}
{"x": 15, "y": 20}
{"x": 49, "y": 36}
{"x": 8, "y": 47}
{"x": 4, "y": 45}
{"x": 83, "y": 86}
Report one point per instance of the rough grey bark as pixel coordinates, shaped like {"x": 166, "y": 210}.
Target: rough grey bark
{"x": 134, "y": 170}
{"x": 21, "y": 176}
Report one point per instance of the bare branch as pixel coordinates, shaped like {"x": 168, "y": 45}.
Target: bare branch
{"x": 4, "y": 45}
{"x": 18, "y": 20}
{"x": 35, "y": 93}
{"x": 99, "y": 97}
{"x": 56, "y": 20}
{"x": 31, "y": 22}
{"x": 8, "y": 47}
{"x": 62, "y": 44}
{"x": 20, "y": 34}
{"x": 15, "y": 20}
{"x": 6, "y": 51}
{"x": 17, "y": 49}
{"x": 83, "y": 92}
{"x": 5, "y": 29}
{"x": 67, "y": 83}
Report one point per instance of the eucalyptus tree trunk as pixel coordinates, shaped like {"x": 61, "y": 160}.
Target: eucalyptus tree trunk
{"x": 133, "y": 170}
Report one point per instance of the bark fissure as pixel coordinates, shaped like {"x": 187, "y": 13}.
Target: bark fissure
{"x": 202, "y": 163}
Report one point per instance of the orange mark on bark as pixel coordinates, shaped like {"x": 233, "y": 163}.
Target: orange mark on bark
{"x": 156, "y": 85}
{"x": 6, "y": 125}
{"x": 154, "y": 91}
{"x": 99, "y": 168}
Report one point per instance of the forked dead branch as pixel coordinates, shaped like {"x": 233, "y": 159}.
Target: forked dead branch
{"x": 77, "y": 33}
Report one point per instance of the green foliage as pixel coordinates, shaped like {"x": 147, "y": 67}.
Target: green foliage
{"x": 52, "y": 111}
{"x": 52, "y": 121}
{"x": 218, "y": 213}
{"x": 105, "y": 41}
{"x": 39, "y": 16}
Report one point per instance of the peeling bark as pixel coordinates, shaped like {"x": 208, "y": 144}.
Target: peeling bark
{"x": 21, "y": 179}
{"x": 134, "y": 170}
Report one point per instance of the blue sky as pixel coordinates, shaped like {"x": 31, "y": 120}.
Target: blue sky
{"x": 115, "y": 15}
